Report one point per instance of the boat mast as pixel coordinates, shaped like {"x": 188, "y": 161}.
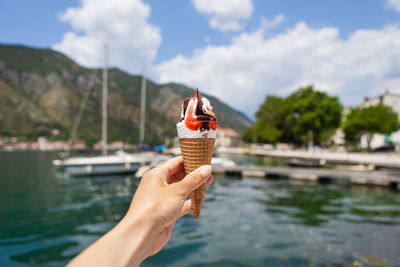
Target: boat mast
{"x": 104, "y": 105}
{"x": 142, "y": 109}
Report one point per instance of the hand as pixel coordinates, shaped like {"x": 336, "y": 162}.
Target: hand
{"x": 159, "y": 201}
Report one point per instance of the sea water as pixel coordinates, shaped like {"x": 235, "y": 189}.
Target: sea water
{"x": 46, "y": 218}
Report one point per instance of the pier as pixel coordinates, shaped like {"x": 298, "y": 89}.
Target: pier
{"x": 380, "y": 160}
{"x": 376, "y": 178}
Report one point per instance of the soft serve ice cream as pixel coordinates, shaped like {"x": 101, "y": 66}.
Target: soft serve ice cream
{"x": 197, "y": 119}
{"x": 197, "y": 129}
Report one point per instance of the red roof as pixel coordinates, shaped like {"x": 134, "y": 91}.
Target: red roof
{"x": 227, "y": 132}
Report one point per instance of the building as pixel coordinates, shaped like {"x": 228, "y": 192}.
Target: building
{"x": 388, "y": 99}
{"x": 227, "y": 137}
{"x": 43, "y": 143}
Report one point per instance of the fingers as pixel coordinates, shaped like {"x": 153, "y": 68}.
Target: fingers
{"x": 210, "y": 180}
{"x": 176, "y": 177}
{"x": 179, "y": 176}
{"x": 174, "y": 170}
{"x": 172, "y": 166}
{"x": 193, "y": 180}
{"x": 187, "y": 207}
{"x": 163, "y": 173}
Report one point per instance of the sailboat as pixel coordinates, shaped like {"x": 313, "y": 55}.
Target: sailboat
{"x": 119, "y": 163}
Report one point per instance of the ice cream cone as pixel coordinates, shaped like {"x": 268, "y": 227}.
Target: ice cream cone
{"x": 197, "y": 129}
{"x": 196, "y": 152}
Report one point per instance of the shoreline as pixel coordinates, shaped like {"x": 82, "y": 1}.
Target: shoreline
{"x": 321, "y": 176}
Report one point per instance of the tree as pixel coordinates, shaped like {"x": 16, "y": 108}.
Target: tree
{"x": 290, "y": 119}
{"x": 311, "y": 110}
{"x": 269, "y": 124}
{"x": 369, "y": 121}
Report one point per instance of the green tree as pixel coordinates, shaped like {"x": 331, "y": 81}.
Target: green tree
{"x": 369, "y": 121}
{"x": 269, "y": 124}
{"x": 290, "y": 119}
{"x": 311, "y": 110}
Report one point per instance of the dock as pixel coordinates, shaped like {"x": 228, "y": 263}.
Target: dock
{"x": 379, "y": 160}
{"x": 376, "y": 178}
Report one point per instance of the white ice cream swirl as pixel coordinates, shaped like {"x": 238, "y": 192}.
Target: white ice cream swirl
{"x": 197, "y": 121}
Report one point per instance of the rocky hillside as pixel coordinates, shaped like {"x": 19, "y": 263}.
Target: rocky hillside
{"x": 41, "y": 90}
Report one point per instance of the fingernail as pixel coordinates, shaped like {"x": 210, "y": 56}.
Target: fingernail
{"x": 205, "y": 171}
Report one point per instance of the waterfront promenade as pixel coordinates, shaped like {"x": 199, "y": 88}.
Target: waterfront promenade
{"x": 386, "y": 160}
{"x": 375, "y": 178}
{"x": 379, "y": 160}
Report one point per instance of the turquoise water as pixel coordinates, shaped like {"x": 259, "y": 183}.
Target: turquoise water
{"x": 47, "y": 218}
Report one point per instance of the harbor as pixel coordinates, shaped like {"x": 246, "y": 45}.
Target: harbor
{"x": 374, "y": 178}
{"x": 380, "y": 160}
{"x": 200, "y": 134}
{"x": 47, "y": 217}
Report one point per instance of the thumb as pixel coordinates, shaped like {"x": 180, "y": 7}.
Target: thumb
{"x": 194, "y": 179}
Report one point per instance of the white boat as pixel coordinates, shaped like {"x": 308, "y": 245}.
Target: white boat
{"x": 216, "y": 161}
{"x": 120, "y": 163}
{"x": 356, "y": 167}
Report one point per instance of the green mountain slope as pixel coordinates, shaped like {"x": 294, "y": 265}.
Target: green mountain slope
{"x": 41, "y": 90}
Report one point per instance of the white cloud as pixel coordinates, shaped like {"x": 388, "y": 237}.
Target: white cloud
{"x": 123, "y": 24}
{"x": 394, "y": 4}
{"x": 271, "y": 24}
{"x": 252, "y": 66}
{"x": 226, "y": 15}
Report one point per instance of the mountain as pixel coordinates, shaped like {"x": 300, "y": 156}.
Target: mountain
{"x": 41, "y": 91}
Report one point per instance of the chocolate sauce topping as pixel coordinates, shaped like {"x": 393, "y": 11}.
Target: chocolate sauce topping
{"x": 201, "y": 116}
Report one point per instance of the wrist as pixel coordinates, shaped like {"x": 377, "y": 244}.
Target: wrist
{"x": 125, "y": 245}
{"x": 137, "y": 234}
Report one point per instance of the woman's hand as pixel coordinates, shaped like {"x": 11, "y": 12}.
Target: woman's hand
{"x": 161, "y": 198}
{"x": 159, "y": 201}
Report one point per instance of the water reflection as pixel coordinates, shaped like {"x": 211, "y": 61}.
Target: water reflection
{"x": 169, "y": 254}
{"x": 55, "y": 217}
{"x": 307, "y": 205}
{"x": 315, "y": 205}
{"x": 47, "y": 218}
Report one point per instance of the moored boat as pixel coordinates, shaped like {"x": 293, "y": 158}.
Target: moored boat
{"x": 119, "y": 163}
{"x": 307, "y": 163}
{"x": 356, "y": 167}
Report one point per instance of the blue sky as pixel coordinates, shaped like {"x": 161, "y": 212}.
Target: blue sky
{"x": 239, "y": 51}
{"x": 193, "y": 27}
{"x": 37, "y": 23}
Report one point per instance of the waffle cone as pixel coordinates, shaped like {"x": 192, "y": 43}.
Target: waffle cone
{"x": 196, "y": 152}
